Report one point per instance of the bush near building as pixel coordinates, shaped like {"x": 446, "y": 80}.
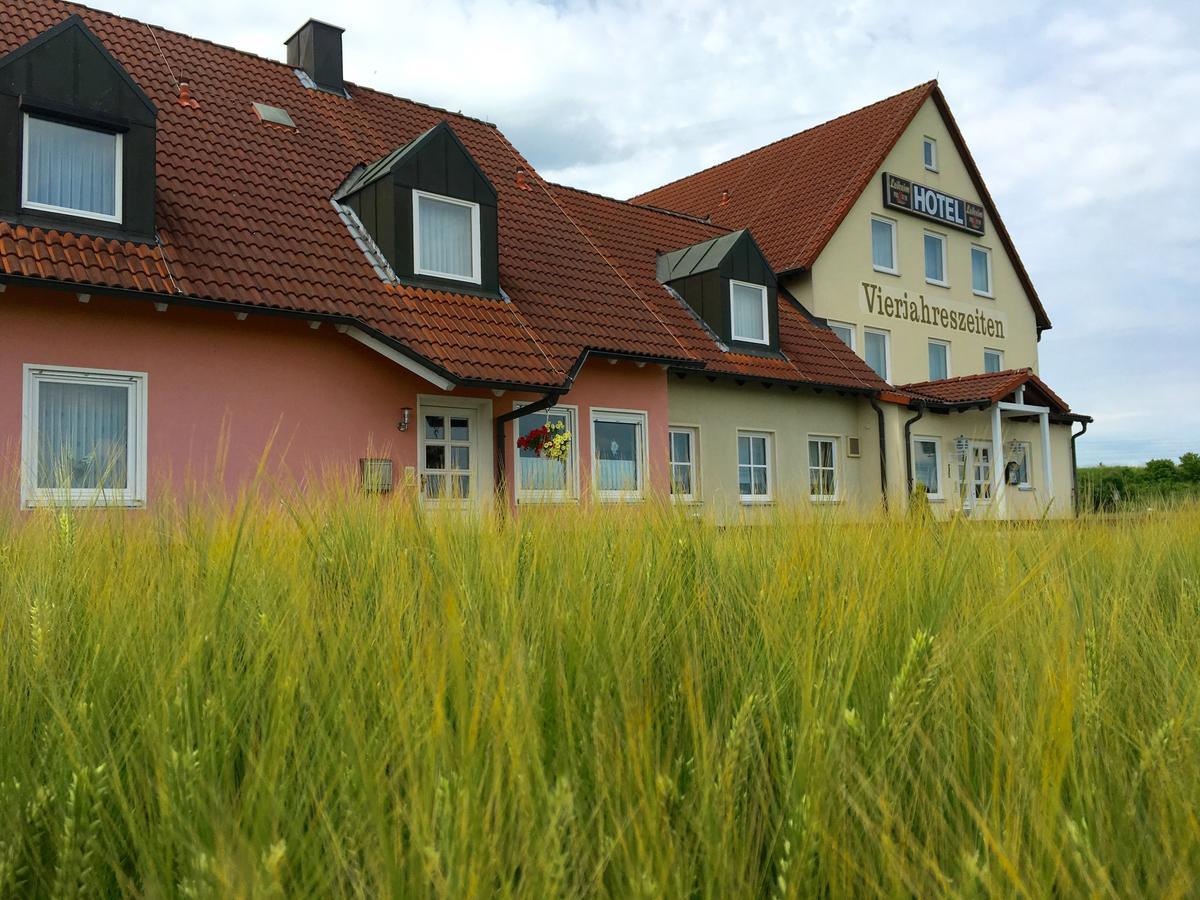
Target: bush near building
{"x": 1112, "y": 487}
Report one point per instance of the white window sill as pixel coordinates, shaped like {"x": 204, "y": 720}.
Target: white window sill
{"x": 988, "y": 294}
{"x": 465, "y": 279}
{"x": 1024, "y": 487}
{"x": 883, "y": 271}
{"x": 826, "y": 500}
{"x": 941, "y": 284}
{"x": 68, "y": 211}
{"x": 756, "y": 501}
{"x": 546, "y": 501}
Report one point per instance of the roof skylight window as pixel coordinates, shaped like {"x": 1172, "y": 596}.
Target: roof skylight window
{"x": 274, "y": 115}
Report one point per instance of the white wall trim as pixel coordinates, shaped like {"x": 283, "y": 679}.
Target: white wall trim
{"x": 399, "y": 358}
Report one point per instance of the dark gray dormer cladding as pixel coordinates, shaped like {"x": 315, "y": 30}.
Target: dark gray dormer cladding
{"x": 426, "y": 189}
{"x": 728, "y": 283}
{"x": 67, "y": 106}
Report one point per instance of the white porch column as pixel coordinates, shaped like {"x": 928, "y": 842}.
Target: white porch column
{"x": 997, "y": 462}
{"x": 1047, "y": 469}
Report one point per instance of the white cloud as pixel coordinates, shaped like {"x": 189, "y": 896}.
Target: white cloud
{"x": 1081, "y": 116}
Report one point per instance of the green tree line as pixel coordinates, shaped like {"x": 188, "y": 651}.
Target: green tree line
{"x": 1110, "y": 487}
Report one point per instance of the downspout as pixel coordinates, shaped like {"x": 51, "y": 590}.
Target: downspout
{"x": 908, "y": 447}
{"x": 1075, "y": 468}
{"x": 499, "y": 421}
{"x": 883, "y": 485}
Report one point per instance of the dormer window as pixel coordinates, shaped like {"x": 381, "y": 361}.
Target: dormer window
{"x": 748, "y": 312}
{"x": 728, "y": 283}
{"x": 446, "y": 237}
{"x": 71, "y": 170}
{"x": 80, "y": 138}
{"x": 432, "y": 213}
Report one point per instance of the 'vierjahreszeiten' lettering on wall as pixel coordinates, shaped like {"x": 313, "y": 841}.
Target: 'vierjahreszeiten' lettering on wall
{"x": 920, "y": 311}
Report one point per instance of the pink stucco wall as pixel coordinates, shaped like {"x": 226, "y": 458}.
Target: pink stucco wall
{"x": 221, "y": 392}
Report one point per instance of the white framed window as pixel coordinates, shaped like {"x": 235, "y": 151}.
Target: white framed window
{"x": 981, "y": 471}
{"x": 883, "y": 245}
{"x": 929, "y": 150}
{"x": 71, "y": 170}
{"x": 755, "y": 479}
{"x": 981, "y": 271}
{"x": 1016, "y": 468}
{"x": 684, "y": 441}
{"x": 927, "y": 464}
{"x": 877, "y": 351}
{"x": 843, "y": 330}
{"x": 618, "y": 454}
{"x": 748, "y": 312}
{"x": 822, "y": 468}
{"x": 447, "y": 447}
{"x": 939, "y": 360}
{"x": 83, "y": 438}
{"x": 993, "y": 360}
{"x": 542, "y": 480}
{"x": 446, "y": 237}
{"x": 935, "y": 259}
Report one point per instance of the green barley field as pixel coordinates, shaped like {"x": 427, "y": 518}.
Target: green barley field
{"x": 345, "y": 696}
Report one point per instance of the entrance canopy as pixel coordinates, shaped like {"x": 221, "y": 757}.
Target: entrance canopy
{"x": 1017, "y": 392}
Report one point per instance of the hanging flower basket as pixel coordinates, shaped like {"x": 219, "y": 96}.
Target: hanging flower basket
{"x": 550, "y": 441}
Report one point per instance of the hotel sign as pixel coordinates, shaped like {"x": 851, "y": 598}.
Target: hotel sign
{"x": 919, "y": 200}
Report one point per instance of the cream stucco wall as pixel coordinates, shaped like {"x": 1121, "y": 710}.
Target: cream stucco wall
{"x": 835, "y": 287}
{"x": 719, "y": 410}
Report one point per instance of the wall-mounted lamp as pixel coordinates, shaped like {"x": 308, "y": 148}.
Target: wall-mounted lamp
{"x": 405, "y": 415}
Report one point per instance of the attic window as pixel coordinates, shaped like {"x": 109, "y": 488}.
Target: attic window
{"x": 274, "y": 115}
{"x": 445, "y": 237}
{"x": 749, "y": 312}
{"x": 71, "y": 170}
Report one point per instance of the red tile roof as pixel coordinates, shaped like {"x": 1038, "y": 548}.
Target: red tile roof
{"x": 987, "y": 388}
{"x": 794, "y": 193}
{"x": 244, "y": 216}
{"x": 632, "y": 236}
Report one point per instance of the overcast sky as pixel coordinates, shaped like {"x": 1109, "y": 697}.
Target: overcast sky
{"x": 1084, "y": 119}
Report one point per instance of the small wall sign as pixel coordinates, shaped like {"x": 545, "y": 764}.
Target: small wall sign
{"x": 919, "y": 200}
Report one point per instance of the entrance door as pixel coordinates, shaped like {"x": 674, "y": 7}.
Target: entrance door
{"x": 448, "y": 454}
{"x": 981, "y": 471}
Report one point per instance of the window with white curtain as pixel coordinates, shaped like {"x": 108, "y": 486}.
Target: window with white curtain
{"x": 993, "y": 360}
{"x": 749, "y": 312}
{"x": 618, "y": 454}
{"x": 540, "y": 479}
{"x": 445, "y": 237}
{"x": 84, "y": 439}
{"x": 71, "y": 170}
